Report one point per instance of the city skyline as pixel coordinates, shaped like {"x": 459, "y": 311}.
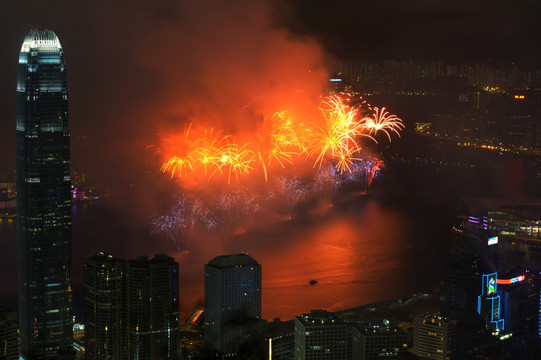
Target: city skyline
{"x": 125, "y": 97}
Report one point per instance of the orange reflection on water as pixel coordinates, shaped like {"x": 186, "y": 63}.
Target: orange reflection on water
{"x": 356, "y": 256}
{"x": 349, "y": 255}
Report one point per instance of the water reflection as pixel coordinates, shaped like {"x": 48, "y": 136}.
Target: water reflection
{"x": 358, "y": 253}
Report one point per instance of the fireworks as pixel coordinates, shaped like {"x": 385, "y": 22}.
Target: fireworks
{"x": 338, "y": 137}
{"x": 363, "y": 173}
{"x": 286, "y": 140}
{"x": 334, "y": 137}
{"x": 292, "y": 191}
{"x": 383, "y": 121}
{"x": 327, "y": 180}
{"x": 210, "y": 153}
{"x": 234, "y": 207}
{"x": 173, "y": 223}
{"x": 181, "y": 220}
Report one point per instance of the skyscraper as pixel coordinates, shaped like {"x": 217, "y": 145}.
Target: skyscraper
{"x": 459, "y": 287}
{"x": 9, "y": 349}
{"x": 373, "y": 340}
{"x": 43, "y": 198}
{"x": 103, "y": 279}
{"x": 152, "y": 308}
{"x": 232, "y": 301}
{"x": 320, "y": 335}
{"x": 432, "y": 337}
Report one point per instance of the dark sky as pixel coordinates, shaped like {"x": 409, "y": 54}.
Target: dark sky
{"x": 457, "y": 30}
{"x": 139, "y": 70}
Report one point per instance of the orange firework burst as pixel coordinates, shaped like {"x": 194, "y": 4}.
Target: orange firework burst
{"x": 285, "y": 139}
{"x": 236, "y": 160}
{"x": 180, "y": 164}
{"x": 212, "y": 152}
{"x": 334, "y": 136}
{"x": 177, "y": 165}
{"x": 383, "y": 121}
{"x": 338, "y": 137}
{"x": 209, "y": 149}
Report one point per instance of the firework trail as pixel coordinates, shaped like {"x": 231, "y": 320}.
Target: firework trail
{"x": 334, "y": 138}
{"x": 203, "y": 216}
{"x": 183, "y": 218}
{"x": 234, "y": 208}
{"x": 292, "y": 191}
{"x": 363, "y": 173}
{"x": 281, "y": 141}
{"x": 381, "y": 120}
{"x": 337, "y": 139}
{"x": 327, "y": 181}
{"x": 329, "y": 142}
{"x": 173, "y": 223}
{"x": 210, "y": 153}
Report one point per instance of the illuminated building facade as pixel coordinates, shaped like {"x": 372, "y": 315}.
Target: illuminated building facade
{"x": 43, "y": 198}
{"x": 152, "y": 308}
{"x": 319, "y": 335}
{"x": 521, "y": 309}
{"x": 489, "y": 303}
{"x": 232, "y": 302}
{"x": 376, "y": 340}
{"x": 103, "y": 280}
{"x": 432, "y": 337}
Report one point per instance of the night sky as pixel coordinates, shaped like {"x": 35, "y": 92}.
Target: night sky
{"x": 460, "y": 30}
{"x": 140, "y": 69}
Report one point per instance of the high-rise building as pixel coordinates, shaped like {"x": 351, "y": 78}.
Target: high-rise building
{"x": 432, "y": 337}
{"x": 9, "y": 341}
{"x": 103, "y": 280}
{"x": 279, "y": 338}
{"x": 152, "y": 308}
{"x": 320, "y": 335}
{"x": 373, "y": 340}
{"x": 520, "y": 309}
{"x": 473, "y": 340}
{"x": 43, "y": 198}
{"x": 459, "y": 288}
{"x": 232, "y": 301}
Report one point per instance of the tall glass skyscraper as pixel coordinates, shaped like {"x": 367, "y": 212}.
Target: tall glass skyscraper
{"x": 105, "y": 321}
{"x": 232, "y": 302}
{"x": 43, "y": 198}
{"x": 152, "y": 308}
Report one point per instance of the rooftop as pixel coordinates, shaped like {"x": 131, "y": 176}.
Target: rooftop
{"x": 229, "y": 261}
{"x": 319, "y": 317}
{"x": 41, "y": 40}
